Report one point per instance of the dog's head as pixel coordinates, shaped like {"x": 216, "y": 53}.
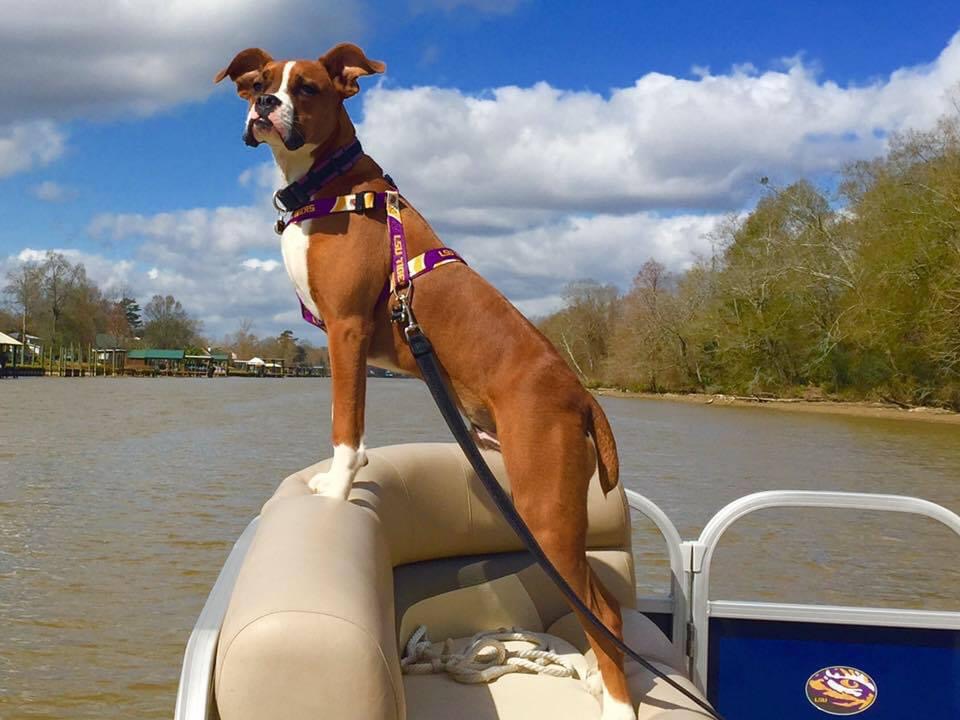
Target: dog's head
{"x": 296, "y": 102}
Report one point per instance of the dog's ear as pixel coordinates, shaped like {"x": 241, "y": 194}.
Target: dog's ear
{"x": 246, "y": 61}
{"x": 345, "y": 63}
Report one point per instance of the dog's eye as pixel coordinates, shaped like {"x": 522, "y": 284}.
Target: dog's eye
{"x": 308, "y": 90}
{"x": 258, "y": 86}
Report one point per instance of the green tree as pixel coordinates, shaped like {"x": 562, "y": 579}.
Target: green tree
{"x": 167, "y": 324}
{"x": 906, "y": 210}
{"x": 131, "y": 308}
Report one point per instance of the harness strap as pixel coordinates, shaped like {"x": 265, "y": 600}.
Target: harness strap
{"x": 399, "y": 277}
{"x": 421, "y": 264}
{"x": 402, "y": 269}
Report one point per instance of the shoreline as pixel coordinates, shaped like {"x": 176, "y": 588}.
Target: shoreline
{"x": 823, "y": 407}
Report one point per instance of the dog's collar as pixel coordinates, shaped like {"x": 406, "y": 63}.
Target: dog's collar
{"x": 354, "y": 202}
{"x": 297, "y": 194}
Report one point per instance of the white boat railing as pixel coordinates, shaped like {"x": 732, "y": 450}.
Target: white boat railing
{"x": 195, "y": 694}
{"x": 678, "y": 602}
{"x": 698, "y": 556}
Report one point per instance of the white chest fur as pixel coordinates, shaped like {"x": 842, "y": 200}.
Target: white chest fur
{"x": 294, "y": 244}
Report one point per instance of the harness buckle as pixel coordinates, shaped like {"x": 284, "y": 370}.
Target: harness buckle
{"x": 360, "y": 201}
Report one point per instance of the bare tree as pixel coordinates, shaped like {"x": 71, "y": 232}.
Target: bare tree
{"x": 24, "y": 289}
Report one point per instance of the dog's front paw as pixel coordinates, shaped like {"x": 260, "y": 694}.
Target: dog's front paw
{"x": 336, "y": 482}
{"x": 332, "y": 484}
{"x": 616, "y": 709}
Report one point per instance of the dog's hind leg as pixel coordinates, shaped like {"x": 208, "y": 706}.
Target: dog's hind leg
{"x": 549, "y": 464}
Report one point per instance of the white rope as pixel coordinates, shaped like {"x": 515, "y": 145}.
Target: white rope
{"x": 486, "y": 657}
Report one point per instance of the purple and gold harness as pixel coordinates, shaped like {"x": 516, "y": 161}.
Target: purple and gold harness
{"x": 402, "y": 269}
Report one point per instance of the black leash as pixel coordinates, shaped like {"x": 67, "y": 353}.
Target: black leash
{"x": 423, "y": 353}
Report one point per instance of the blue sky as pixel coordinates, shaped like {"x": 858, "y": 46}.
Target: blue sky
{"x": 547, "y": 141}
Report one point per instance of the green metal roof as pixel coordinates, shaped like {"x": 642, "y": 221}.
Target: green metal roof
{"x": 151, "y": 354}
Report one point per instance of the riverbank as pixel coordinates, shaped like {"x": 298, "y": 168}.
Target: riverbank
{"x": 824, "y": 407}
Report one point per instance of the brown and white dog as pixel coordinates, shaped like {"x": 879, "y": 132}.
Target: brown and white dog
{"x": 510, "y": 382}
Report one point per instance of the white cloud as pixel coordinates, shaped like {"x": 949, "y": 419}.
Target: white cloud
{"x": 110, "y": 274}
{"x": 28, "y": 145}
{"x": 115, "y": 56}
{"x": 662, "y": 142}
{"x": 265, "y": 176}
{"x": 50, "y": 191}
{"x": 189, "y": 236}
{"x": 532, "y": 265}
{"x": 491, "y": 7}
{"x": 264, "y": 265}
{"x": 203, "y": 258}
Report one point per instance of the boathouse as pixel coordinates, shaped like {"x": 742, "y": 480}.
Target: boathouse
{"x": 153, "y": 360}
{"x": 11, "y": 352}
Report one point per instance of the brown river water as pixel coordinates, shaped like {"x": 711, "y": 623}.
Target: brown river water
{"x": 120, "y": 498}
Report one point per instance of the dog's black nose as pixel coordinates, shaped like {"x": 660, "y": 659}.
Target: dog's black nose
{"x": 266, "y": 104}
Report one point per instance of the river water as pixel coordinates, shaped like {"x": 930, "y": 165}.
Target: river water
{"x": 120, "y": 498}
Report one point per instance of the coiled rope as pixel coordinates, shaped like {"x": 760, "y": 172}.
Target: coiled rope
{"x": 486, "y": 658}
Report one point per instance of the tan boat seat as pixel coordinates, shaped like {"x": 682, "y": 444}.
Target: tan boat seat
{"x": 329, "y": 592}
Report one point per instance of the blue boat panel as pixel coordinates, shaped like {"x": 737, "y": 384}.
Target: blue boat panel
{"x": 760, "y": 669}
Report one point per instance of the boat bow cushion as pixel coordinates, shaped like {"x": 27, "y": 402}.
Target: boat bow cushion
{"x": 310, "y": 624}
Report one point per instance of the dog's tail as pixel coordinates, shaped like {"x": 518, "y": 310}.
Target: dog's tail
{"x": 608, "y": 465}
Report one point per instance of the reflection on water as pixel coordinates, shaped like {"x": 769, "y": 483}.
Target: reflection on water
{"x": 119, "y": 499}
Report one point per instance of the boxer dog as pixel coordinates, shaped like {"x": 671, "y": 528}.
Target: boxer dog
{"x": 513, "y": 386}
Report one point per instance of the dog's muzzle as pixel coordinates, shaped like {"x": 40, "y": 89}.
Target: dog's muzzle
{"x": 265, "y": 105}
{"x": 248, "y": 138}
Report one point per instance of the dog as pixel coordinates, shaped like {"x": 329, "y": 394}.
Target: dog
{"x": 510, "y": 382}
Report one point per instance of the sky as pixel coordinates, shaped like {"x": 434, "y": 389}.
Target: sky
{"x": 545, "y": 141}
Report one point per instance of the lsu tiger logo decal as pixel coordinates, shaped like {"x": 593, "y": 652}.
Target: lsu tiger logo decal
{"x": 840, "y": 690}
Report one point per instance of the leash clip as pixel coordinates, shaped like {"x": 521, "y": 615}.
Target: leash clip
{"x": 278, "y": 203}
{"x": 402, "y": 314}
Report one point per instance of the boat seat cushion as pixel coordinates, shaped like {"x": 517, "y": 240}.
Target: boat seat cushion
{"x": 461, "y": 596}
{"x": 310, "y": 621}
{"x": 431, "y": 504}
{"x": 529, "y": 697}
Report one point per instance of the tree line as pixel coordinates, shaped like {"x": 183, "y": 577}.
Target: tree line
{"x": 54, "y": 300}
{"x": 853, "y": 293}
